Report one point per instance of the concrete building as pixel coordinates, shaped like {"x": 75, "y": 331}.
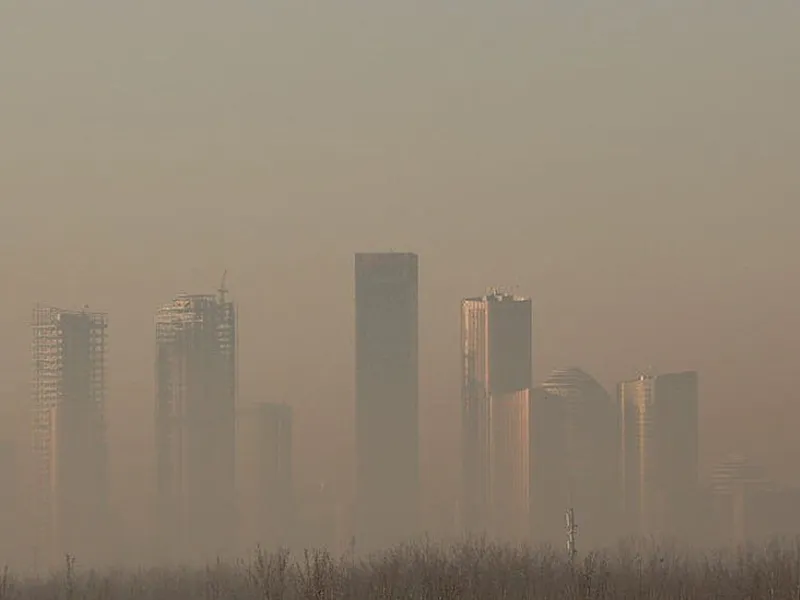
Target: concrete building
{"x": 195, "y": 426}
{"x": 264, "y": 476}
{"x": 496, "y": 380}
{"x": 69, "y": 433}
{"x": 659, "y": 453}
{"x": 387, "y": 398}
{"x": 574, "y": 458}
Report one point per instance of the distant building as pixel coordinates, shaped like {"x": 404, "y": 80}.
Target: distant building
{"x": 264, "y": 476}
{"x": 9, "y": 513}
{"x": 549, "y": 486}
{"x": 195, "y": 425}
{"x": 387, "y": 398}
{"x": 496, "y": 380}
{"x": 735, "y": 482}
{"x": 574, "y": 458}
{"x": 659, "y": 453}
{"x": 69, "y": 432}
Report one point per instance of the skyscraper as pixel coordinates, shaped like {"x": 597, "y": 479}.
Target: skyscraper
{"x": 387, "y": 429}
{"x": 496, "y": 380}
{"x": 659, "y": 452}
{"x": 195, "y": 423}
{"x": 69, "y": 432}
{"x": 264, "y": 475}
{"x": 575, "y": 455}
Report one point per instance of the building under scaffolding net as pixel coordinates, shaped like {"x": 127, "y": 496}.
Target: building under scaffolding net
{"x": 195, "y": 424}
{"x": 69, "y": 433}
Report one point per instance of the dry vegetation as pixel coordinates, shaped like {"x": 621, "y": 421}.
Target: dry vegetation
{"x": 477, "y": 571}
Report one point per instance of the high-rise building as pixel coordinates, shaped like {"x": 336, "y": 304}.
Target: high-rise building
{"x": 195, "y": 425}
{"x": 496, "y": 380}
{"x": 9, "y": 493}
{"x": 264, "y": 476}
{"x": 733, "y": 482}
{"x": 549, "y": 491}
{"x": 659, "y": 453}
{"x": 576, "y": 443}
{"x": 387, "y": 428}
{"x": 69, "y": 432}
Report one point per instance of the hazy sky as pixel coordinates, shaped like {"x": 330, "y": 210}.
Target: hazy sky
{"x": 633, "y": 166}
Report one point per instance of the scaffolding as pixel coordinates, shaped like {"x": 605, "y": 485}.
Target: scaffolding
{"x": 69, "y": 372}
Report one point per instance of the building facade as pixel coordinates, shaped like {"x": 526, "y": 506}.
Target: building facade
{"x": 496, "y": 380}
{"x": 586, "y": 422}
{"x": 195, "y": 425}
{"x": 659, "y": 453}
{"x": 69, "y": 432}
{"x": 264, "y": 476}
{"x": 387, "y": 398}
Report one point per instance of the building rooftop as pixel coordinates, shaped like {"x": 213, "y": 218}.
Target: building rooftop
{"x": 495, "y": 295}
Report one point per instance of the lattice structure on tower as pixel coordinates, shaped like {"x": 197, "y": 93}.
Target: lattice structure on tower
{"x": 68, "y": 429}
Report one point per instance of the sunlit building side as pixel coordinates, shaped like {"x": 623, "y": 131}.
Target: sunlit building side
{"x": 496, "y": 379}
{"x": 659, "y": 453}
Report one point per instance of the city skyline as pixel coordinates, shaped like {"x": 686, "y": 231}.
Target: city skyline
{"x": 520, "y": 440}
{"x": 631, "y": 167}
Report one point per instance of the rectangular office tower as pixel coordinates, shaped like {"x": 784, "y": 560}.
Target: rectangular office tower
{"x": 264, "y": 476}
{"x": 496, "y": 381}
{"x": 195, "y": 425}
{"x": 69, "y": 432}
{"x": 659, "y": 453}
{"x": 387, "y": 430}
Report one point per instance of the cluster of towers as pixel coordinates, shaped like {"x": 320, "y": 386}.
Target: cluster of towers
{"x": 528, "y": 453}
{"x": 203, "y": 437}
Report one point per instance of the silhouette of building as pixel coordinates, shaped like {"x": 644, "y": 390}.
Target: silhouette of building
{"x": 734, "y": 482}
{"x": 9, "y": 513}
{"x": 659, "y": 453}
{"x": 69, "y": 432}
{"x": 195, "y": 425}
{"x": 549, "y": 492}
{"x": 573, "y": 458}
{"x": 387, "y": 429}
{"x": 496, "y": 380}
{"x": 264, "y": 476}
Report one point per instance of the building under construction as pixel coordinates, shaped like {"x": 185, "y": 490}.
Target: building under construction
{"x": 195, "y": 425}
{"x": 69, "y": 432}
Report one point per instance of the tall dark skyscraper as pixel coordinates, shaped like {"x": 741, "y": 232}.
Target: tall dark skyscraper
{"x": 264, "y": 475}
{"x": 387, "y": 429}
{"x": 496, "y": 380}
{"x": 195, "y": 424}
{"x": 659, "y": 453}
{"x": 69, "y": 431}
